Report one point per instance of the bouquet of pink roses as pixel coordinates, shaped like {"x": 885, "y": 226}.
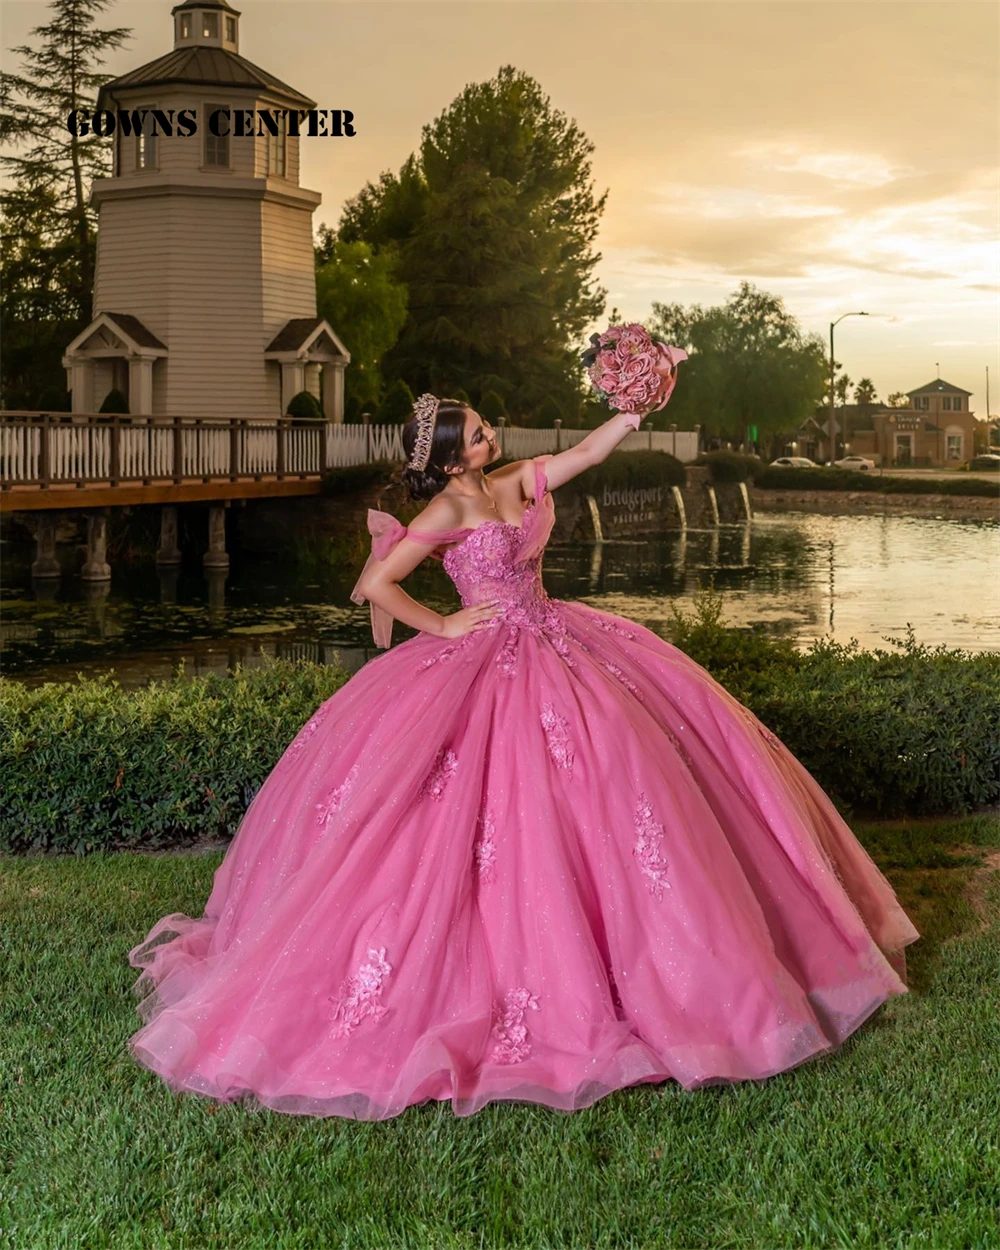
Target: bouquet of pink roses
{"x": 630, "y": 370}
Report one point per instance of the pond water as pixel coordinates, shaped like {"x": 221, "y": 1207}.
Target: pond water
{"x": 801, "y": 576}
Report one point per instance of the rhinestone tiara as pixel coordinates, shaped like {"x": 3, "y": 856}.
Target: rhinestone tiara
{"x": 425, "y": 410}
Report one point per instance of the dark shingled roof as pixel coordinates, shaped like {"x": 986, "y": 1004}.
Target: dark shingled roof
{"x": 939, "y": 384}
{"x": 136, "y": 331}
{"x": 293, "y": 334}
{"x": 204, "y": 4}
{"x": 215, "y": 67}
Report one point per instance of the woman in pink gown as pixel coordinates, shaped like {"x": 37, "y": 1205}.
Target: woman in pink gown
{"x": 533, "y": 853}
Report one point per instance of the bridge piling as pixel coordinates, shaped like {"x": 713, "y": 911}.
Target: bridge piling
{"x": 216, "y": 557}
{"x": 169, "y": 553}
{"x": 46, "y": 563}
{"x": 96, "y": 567}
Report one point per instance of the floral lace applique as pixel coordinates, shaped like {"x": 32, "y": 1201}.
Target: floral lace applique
{"x": 358, "y": 996}
{"x": 506, "y": 660}
{"x": 678, "y": 745}
{"x": 557, "y": 736}
{"x": 485, "y": 849}
{"x": 612, "y": 627}
{"x": 615, "y": 671}
{"x": 447, "y": 653}
{"x": 306, "y": 732}
{"x": 511, "y": 1034}
{"x": 648, "y": 835}
{"x": 332, "y": 803}
{"x": 437, "y": 779}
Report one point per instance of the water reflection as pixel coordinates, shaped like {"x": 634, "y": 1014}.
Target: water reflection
{"x": 799, "y": 575}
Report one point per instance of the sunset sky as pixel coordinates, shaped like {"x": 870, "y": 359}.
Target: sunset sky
{"x": 841, "y": 155}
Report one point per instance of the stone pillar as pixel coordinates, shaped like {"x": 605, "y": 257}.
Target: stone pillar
{"x": 140, "y": 385}
{"x": 333, "y": 391}
{"x": 216, "y": 557}
{"x": 96, "y": 567}
{"x": 45, "y": 564}
{"x": 293, "y": 380}
{"x": 169, "y": 552}
{"x": 80, "y": 382}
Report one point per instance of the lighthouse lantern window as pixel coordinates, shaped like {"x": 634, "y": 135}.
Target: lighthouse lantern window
{"x": 210, "y": 25}
{"x": 185, "y": 26}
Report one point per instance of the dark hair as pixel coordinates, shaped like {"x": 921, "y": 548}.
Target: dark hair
{"x": 446, "y": 449}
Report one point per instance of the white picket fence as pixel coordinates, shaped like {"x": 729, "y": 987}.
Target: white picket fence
{"x": 346, "y": 444}
{"x": 38, "y": 449}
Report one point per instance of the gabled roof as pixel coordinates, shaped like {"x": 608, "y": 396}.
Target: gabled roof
{"x": 205, "y": 66}
{"x": 293, "y": 334}
{"x": 939, "y": 384}
{"x": 303, "y": 335}
{"x": 136, "y": 331}
{"x": 128, "y": 329}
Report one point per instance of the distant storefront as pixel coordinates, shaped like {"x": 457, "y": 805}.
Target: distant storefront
{"x": 935, "y": 429}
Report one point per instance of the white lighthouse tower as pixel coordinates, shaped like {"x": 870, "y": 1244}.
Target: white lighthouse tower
{"x": 205, "y": 291}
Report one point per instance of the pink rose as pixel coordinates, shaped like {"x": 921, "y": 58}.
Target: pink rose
{"x": 606, "y": 359}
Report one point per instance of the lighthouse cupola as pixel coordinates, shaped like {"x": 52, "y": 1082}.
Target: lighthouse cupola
{"x": 206, "y": 23}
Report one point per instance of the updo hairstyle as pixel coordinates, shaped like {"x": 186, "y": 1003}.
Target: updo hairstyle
{"x": 446, "y": 450}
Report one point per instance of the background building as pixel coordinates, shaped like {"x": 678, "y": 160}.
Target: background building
{"x": 205, "y": 287}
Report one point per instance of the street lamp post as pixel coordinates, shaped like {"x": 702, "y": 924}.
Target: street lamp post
{"x": 833, "y": 417}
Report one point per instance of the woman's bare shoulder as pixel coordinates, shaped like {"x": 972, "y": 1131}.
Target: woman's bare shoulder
{"x": 440, "y": 513}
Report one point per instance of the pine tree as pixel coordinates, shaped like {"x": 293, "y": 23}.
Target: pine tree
{"x": 47, "y": 247}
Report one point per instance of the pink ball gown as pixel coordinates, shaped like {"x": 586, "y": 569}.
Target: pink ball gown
{"x": 540, "y": 862}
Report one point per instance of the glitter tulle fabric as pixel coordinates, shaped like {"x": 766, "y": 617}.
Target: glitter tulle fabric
{"x": 541, "y": 862}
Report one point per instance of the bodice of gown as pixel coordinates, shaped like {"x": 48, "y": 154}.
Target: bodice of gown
{"x": 484, "y": 566}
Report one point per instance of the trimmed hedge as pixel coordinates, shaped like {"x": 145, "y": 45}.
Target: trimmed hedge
{"x": 731, "y": 466}
{"x": 87, "y": 766}
{"x": 623, "y": 469}
{"x": 781, "y": 477}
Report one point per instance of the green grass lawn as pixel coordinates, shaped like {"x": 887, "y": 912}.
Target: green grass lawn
{"x": 892, "y": 1141}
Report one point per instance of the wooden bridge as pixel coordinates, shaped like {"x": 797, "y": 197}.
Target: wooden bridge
{"x": 57, "y": 462}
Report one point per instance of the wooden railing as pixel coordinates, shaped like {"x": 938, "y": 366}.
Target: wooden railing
{"x": 78, "y": 449}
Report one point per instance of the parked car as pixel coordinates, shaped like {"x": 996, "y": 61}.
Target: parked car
{"x": 793, "y": 462}
{"x": 988, "y": 460}
{"x": 861, "y": 463}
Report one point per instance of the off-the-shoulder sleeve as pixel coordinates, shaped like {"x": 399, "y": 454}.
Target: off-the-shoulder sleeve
{"x": 387, "y": 532}
{"x": 541, "y": 517}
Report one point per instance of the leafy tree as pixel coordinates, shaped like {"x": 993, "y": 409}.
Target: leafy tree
{"x": 749, "y": 364}
{"x": 898, "y": 399}
{"x": 358, "y": 293}
{"x": 47, "y": 247}
{"x": 493, "y": 223}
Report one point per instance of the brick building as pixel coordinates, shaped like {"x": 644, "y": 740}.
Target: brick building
{"x": 935, "y": 429}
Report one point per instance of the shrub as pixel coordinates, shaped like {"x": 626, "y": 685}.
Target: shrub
{"x": 87, "y": 766}
{"x": 492, "y": 408}
{"x": 396, "y": 406}
{"x": 305, "y": 406}
{"x": 632, "y": 469}
{"x": 114, "y": 401}
{"x": 780, "y": 477}
{"x": 55, "y": 399}
{"x": 731, "y": 466}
